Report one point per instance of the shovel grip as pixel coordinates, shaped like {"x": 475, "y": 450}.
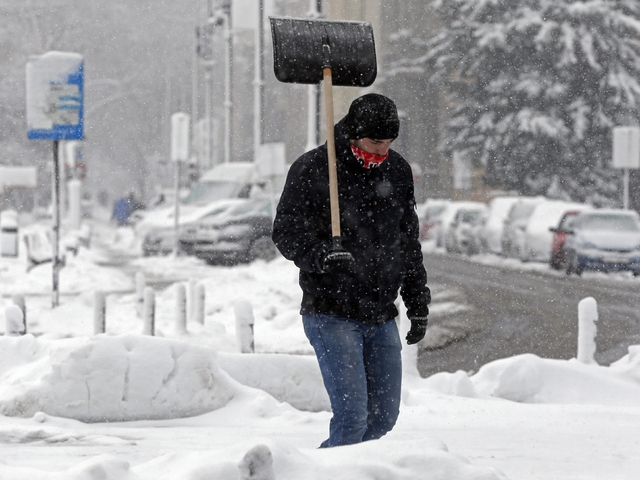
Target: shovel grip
{"x": 331, "y": 154}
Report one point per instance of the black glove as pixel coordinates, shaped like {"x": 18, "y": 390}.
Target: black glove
{"x": 417, "y": 331}
{"x": 337, "y": 260}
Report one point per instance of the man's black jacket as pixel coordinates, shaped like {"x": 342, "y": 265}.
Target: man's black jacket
{"x": 379, "y": 226}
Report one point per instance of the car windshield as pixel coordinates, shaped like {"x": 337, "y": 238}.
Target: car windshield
{"x": 611, "y": 221}
{"x": 470, "y": 216}
{"x": 206, "y": 192}
{"x": 435, "y": 212}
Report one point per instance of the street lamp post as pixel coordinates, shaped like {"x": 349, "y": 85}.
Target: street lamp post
{"x": 258, "y": 83}
{"x": 223, "y": 13}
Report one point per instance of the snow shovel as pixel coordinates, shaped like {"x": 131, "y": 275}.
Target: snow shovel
{"x": 341, "y": 53}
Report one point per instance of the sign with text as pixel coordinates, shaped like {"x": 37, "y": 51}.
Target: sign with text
{"x": 180, "y": 137}
{"x": 626, "y": 147}
{"x": 55, "y": 94}
{"x": 271, "y": 159}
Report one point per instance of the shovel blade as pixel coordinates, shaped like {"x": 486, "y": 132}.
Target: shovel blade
{"x": 298, "y": 55}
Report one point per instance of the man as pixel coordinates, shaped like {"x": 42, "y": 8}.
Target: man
{"x": 348, "y": 308}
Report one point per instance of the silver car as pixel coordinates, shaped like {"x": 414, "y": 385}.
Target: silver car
{"x": 604, "y": 240}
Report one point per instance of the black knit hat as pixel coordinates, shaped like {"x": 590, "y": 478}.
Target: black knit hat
{"x": 372, "y": 116}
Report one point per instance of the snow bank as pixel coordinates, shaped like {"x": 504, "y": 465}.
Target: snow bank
{"x": 270, "y": 459}
{"x": 530, "y": 379}
{"x": 106, "y": 378}
{"x": 80, "y": 274}
{"x": 397, "y": 459}
{"x": 294, "y": 379}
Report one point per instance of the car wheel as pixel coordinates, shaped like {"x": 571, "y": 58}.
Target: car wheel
{"x": 568, "y": 263}
{"x": 262, "y": 249}
{"x": 447, "y": 244}
{"x": 572, "y": 264}
{"x": 636, "y": 273}
{"x": 577, "y": 268}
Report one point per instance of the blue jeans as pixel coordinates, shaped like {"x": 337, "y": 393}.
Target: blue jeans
{"x": 361, "y": 368}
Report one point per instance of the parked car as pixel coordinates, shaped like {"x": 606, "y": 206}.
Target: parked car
{"x": 429, "y": 216}
{"x": 234, "y": 180}
{"x": 160, "y": 240}
{"x": 445, "y": 219}
{"x": 515, "y": 224}
{"x": 604, "y": 240}
{"x": 241, "y": 234}
{"x": 462, "y": 234}
{"x": 491, "y": 231}
{"x": 536, "y": 246}
{"x": 557, "y": 260}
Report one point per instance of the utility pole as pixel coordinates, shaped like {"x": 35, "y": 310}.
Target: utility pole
{"x": 224, "y": 12}
{"x": 258, "y": 83}
{"x": 194, "y": 80}
{"x": 313, "y": 93}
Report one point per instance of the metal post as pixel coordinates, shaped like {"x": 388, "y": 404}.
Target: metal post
{"x": 625, "y": 204}
{"x": 141, "y": 283}
{"x": 181, "y": 308}
{"x": 55, "y": 299}
{"x": 176, "y": 212}
{"x": 194, "y": 83}
{"x": 99, "y": 313}
{"x": 244, "y": 326}
{"x": 149, "y": 312}
{"x": 258, "y": 81}
{"x": 18, "y": 299}
{"x": 199, "y": 304}
{"x": 14, "y": 319}
{"x": 228, "y": 103}
{"x": 587, "y": 330}
{"x": 207, "y": 114}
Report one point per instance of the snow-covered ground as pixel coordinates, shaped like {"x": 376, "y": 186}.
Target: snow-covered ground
{"x": 188, "y": 405}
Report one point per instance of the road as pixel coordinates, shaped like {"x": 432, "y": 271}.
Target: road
{"x": 493, "y": 312}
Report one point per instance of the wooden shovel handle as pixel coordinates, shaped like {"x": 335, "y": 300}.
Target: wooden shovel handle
{"x": 331, "y": 153}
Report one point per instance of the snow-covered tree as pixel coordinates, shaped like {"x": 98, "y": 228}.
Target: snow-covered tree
{"x": 536, "y": 87}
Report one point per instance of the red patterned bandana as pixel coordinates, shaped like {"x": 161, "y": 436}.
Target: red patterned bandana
{"x": 366, "y": 159}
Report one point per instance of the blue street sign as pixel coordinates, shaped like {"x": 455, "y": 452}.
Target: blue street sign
{"x": 55, "y": 96}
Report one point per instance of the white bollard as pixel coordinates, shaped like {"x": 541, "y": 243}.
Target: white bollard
{"x": 14, "y": 321}
{"x": 587, "y": 318}
{"x": 199, "y": 304}
{"x": 18, "y": 300}
{"x": 75, "y": 210}
{"x": 99, "y": 313}
{"x": 244, "y": 326}
{"x": 257, "y": 464}
{"x": 181, "y": 308}
{"x": 140, "y": 285}
{"x": 149, "y": 312}
{"x": 191, "y": 298}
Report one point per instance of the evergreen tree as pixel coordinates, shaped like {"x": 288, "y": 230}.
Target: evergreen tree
{"x": 536, "y": 87}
